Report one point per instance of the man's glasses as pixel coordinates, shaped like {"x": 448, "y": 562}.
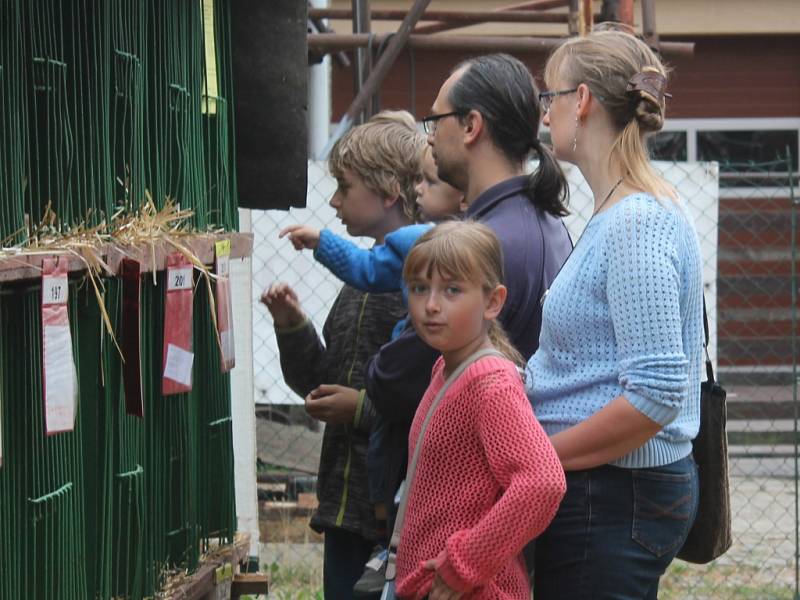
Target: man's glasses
{"x": 430, "y": 123}
{"x": 546, "y": 98}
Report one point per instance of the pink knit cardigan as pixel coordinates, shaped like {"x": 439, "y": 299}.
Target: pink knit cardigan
{"x": 488, "y": 481}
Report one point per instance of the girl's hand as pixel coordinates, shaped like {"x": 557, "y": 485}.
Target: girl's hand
{"x": 301, "y": 236}
{"x": 283, "y": 305}
{"x": 440, "y": 590}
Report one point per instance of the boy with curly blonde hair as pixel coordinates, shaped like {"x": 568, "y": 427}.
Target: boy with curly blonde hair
{"x": 376, "y": 167}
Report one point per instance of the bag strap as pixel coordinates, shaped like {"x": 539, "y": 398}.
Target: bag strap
{"x": 391, "y": 570}
{"x": 709, "y": 366}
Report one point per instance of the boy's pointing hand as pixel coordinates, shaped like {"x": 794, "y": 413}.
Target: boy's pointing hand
{"x": 301, "y": 236}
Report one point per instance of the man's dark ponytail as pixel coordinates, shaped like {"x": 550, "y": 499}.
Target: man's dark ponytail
{"x": 547, "y": 185}
{"x": 501, "y": 88}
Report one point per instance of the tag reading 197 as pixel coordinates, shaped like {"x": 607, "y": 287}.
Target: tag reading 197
{"x": 54, "y": 290}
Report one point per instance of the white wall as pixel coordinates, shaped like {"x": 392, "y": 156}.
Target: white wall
{"x": 242, "y": 408}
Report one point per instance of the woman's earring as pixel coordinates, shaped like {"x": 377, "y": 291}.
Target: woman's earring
{"x": 575, "y": 139}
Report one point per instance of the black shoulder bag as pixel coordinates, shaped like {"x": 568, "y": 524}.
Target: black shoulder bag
{"x": 710, "y": 536}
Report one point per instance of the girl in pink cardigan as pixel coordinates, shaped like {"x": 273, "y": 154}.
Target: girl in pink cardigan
{"x": 487, "y": 479}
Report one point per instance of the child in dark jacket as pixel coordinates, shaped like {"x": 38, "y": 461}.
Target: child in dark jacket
{"x": 370, "y": 202}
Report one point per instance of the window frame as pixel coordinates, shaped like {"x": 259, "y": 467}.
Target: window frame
{"x": 693, "y": 126}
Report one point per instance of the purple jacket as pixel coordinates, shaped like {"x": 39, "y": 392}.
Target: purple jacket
{"x": 535, "y": 245}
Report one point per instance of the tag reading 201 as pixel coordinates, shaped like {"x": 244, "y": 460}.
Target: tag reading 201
{"x": 179, "y": 278}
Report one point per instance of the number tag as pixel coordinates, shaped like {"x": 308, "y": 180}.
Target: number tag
{"x": 54, "y": 290}
{"x": 179, "y": 279}
{"x": 223, "y": 266}
{"x": 223, "y": 252}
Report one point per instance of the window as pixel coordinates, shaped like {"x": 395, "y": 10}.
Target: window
{"x": 734, "y": 143}
{"x": 668, "y": 145}
{"x": 735, "y": 150}
{"x": 745, "y": 146}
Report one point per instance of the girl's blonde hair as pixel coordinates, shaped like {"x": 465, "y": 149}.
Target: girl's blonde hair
{"x": 606, "y": 61}
{"x": 385, "y": 153}
{"x": 469, "y": 251}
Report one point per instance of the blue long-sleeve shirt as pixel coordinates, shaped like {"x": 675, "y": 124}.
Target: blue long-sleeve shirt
{"x": 377, "y": 270}
{"x": 624, "y": 318}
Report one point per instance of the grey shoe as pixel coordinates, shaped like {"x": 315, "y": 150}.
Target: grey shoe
{"x": 374, "y": 576}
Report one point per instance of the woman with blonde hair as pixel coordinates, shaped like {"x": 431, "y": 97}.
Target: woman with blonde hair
{"x": 616, "y": 379}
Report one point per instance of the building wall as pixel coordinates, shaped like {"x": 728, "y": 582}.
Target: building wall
{"x": 673, "y": 17}
{"x": 729, "y": 76}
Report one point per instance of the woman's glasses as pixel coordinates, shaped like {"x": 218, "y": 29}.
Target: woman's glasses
{"x": 546, "y": 98}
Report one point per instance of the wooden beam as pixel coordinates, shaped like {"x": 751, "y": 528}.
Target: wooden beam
{"x": 321, "y": 27}
{"x": 362, "y": 23}
{"x": 476, "y": 44}
{"x": 649, "y": 24}
{"x": 199, "y": 585}
{"x": 536, "y": 5}
{"x": 625, "y": 12}
{"x": 249, "y": 583}
{"x": 574, "y": 24}
{"x": 586, "y": 17}
{"x": 333, "y": 42}
{"x": 381, "y": 69}
{"x": 26, "y": 266}
{"x": 617, "y": 11}
{"x": 460, "y": 17}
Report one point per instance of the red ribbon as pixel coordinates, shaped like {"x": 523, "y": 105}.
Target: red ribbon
{"x": 131, "y": 336}
{"x": 59, "y": 379}
{"x": 177, "y": 350}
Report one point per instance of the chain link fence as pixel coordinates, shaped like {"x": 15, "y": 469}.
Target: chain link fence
{"x": 745, "y": 217}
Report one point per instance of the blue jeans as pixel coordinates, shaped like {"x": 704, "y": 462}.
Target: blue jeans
{"x": 616, "y": 532}
{"x": 345, "y": 554}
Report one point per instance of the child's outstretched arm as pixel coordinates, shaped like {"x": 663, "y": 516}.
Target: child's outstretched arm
{"x": 302, "y": 352}
{"x": 303, "y": 237}
{"x": 377, "y": 270}
{"x": 525, "y": 464}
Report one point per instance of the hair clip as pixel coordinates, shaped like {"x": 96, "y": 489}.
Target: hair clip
{"x": 651, "y": 83}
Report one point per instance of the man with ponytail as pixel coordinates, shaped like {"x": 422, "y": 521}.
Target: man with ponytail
{"x": 483, "y": 129}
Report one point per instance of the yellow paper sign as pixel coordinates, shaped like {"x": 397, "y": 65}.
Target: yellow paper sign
{"x": 223, "y": 248}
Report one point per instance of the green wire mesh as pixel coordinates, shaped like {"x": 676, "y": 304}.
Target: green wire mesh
{"x": 103, "y": 102}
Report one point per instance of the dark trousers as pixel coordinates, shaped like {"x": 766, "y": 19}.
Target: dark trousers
{"x": 616, "y": 532}
{"x": 376, "y": 461}
{"x": 345, "y": 555}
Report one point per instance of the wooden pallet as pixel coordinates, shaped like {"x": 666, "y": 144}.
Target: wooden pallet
{"x": 217, "y": 578}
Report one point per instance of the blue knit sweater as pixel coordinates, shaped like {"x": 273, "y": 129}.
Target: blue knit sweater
{"x": 624, "y": 317}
